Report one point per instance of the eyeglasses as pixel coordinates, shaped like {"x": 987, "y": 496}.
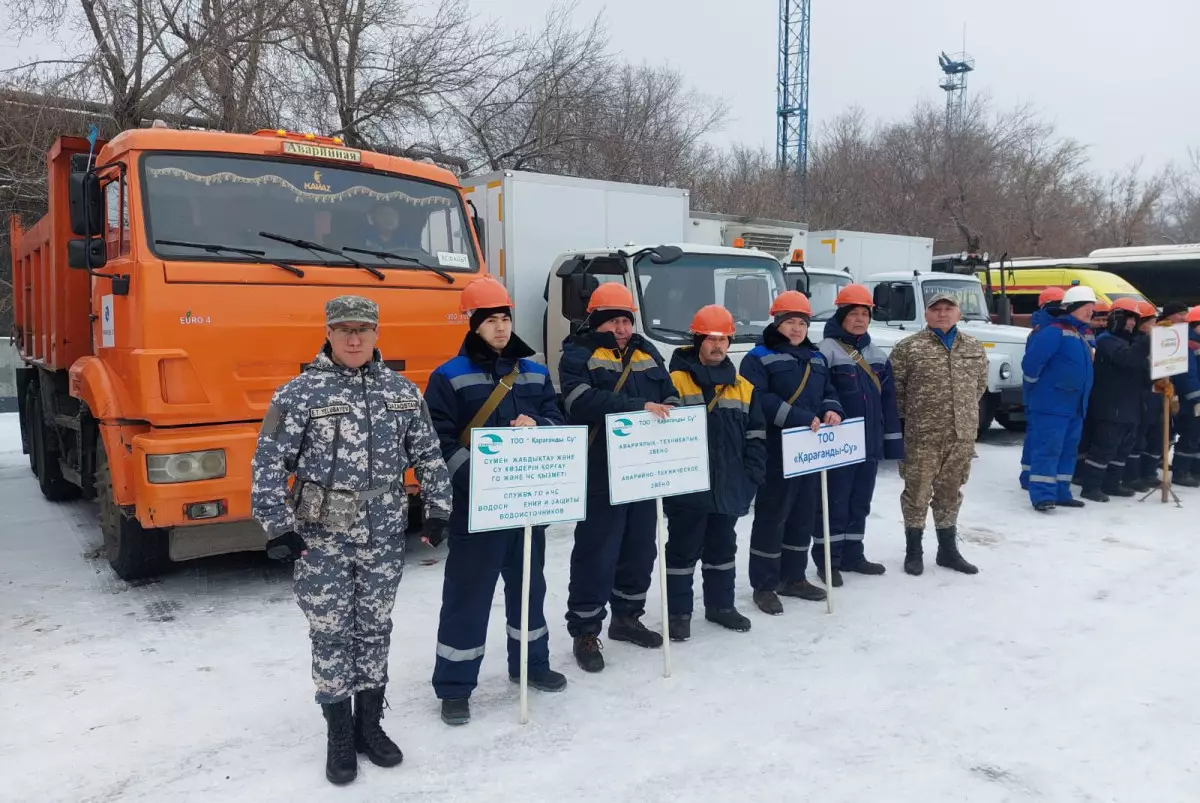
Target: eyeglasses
{"x": 344, "y": 332}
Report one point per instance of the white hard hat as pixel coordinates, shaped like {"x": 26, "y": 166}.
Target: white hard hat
{"x": 1079, "y": 295}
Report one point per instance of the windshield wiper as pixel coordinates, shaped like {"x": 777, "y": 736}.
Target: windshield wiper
{"x": 215, "y": 248}
{"x": 676, "y": 332}
{"x": 317, "y": 248}
{"x": 401, "y": 258}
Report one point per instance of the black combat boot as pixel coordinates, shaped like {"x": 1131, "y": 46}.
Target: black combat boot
{"x": 369, "y": 737}
{"x": 341, "y": 762}
{"x": 1123, "y": 491}
{"x": 680, "y": 626}
{"x": 837, "y": 577}
{"x": 802, "y": 589}
{"x": 587, "y": 653}
{"x": 547, "y": 680}
{"x": 913, "y": 563}
{"x": 1184, "y": 480}
{"x": 457, "y": 711}
{"x": 728, "y": 618}
{"x": 1044, "y": 506}
{"x": 948, "y": 556}
{"x": 1141, "y": 485}
{"x": 863, "y": 566}
{"x": 768, "y": 602}
{"x": 631, "y": 629}
{"x": 1094, "y": 495}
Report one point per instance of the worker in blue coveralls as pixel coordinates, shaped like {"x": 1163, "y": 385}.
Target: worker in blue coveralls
{"x": 1057, "y": 379}
{"x": 791, "y": 379}
{"x": 606, "y": 367}
{"x": 491, "y": 383}
{"x": 1185, "y": 468}
{"x": 862, "y": 375}
{"x": 702, "y": 525}
{"x": 1048, "y": 301}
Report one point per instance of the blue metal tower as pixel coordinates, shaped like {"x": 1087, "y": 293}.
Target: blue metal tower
{"x": 792, "y": 90}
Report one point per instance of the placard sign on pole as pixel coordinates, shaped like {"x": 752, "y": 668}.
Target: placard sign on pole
{"x": 1168, "y": 357}
{"x": 527, "y": 477}
{"x": 649, "y": 458}
{"x": 806, "y": 452}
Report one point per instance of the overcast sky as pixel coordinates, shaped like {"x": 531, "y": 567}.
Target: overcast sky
{"x": 1119, "y": 76}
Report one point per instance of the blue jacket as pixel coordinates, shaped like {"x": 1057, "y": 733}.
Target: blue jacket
{"x": 458, "y": 388}
{"x": 588, "y": 373}
{"x": 858, "y": 394}
{"x": 776, "y": 368}
{"x": 1122, "y": 377}
{"x": 737, "y": 435}
{"x": 1187, "y": 386}
{"x": 1057, "y": 366}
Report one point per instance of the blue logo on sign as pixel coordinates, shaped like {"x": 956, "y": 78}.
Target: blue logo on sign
{"x": 621, "y": 430}
{"x": 490, "y": 444}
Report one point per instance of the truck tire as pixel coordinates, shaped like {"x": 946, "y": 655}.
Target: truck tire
{"x": 1009, "y": 423}
{"x": 27, "y": 426}
{"x": 987, "y": 412}
{"x": 134, "y": 552}
{"x": 53, "y": 485}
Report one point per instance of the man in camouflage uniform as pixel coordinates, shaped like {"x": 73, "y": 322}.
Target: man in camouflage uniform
{"x": 346, "y": 429}
{"x": 941, "y": 374}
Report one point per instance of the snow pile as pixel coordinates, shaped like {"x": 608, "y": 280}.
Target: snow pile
{"x": 1064, "y": 671}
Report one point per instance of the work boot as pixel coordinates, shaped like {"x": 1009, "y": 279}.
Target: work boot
{"x": 863, "y": 566}
{"x": 341, "y": 762}
{"x": 1185, "y": 480}
{"x": 802, "y": 589}
{"x": 1094, "y": 495}
{"x": 1141, "y": 485}
{"x": 948, "y": 556}
{"x": 369, "y": 737}
{"x": 1122, "y": 490}
{"x": 837, "y": 577}
{"x": 768, "y": 602}
{"x": 547, "y": 680}
{"x": 728, "y": 618}
{"x": 1069, "y": 503}
{"x": 913, "y": 563}
{"x": 680, "y": 626}
{"x": 1044, "y": 506}
{"x": 631, "y": 629}
{"x": 457, "y": 711}
{"x": 587, "y": 653}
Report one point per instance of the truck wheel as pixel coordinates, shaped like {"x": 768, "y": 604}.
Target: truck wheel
{"x": 987, "y": 412}
{"x": 1009, "y": 423}
{"x": 134, "y": 552}
{"x": 27, "y": 425}
{"x": 50, "y": 479}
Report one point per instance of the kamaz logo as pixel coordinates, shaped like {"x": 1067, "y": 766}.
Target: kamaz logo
{"x": 489, "y": 444}
{"x": 622, "y": 428}
{"x": 316, "y": 185}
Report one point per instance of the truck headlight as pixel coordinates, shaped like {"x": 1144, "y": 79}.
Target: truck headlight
{"x": 1005, "y": 371}
{"x": 185, "y": 466}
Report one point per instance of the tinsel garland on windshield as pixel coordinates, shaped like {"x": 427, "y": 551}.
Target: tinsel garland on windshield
{"x": 301, "y": 195}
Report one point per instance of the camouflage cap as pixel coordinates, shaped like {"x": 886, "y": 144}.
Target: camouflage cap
{"x": 936, "y": 297}
{"x": 351, "y": 308}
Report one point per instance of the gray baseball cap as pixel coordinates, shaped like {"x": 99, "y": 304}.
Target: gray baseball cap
{"x": 936, "y": 297}
{"x": 345, "y": 309}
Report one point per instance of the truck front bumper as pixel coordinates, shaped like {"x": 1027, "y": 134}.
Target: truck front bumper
{"x": 1012, "y": 402}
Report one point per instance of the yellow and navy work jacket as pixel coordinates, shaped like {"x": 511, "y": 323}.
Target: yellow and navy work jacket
{"x": 588, "y": 373}
{"x": 737, "y": 435}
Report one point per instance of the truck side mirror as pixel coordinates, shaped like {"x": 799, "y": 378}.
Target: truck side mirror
{"x": 577, "y": 289}
{"x": 87, "y": 254}
{"x": 86, "y": 202}
{"x": 477, "y": 224}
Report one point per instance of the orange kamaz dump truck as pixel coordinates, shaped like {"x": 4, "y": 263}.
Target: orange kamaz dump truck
{"x": 178, "y": 279}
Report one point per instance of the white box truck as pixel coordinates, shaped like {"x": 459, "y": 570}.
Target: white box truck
{"x": 552, "y": 240}
{"x": 779, "y": 238}
{"x": 897, "y": 269}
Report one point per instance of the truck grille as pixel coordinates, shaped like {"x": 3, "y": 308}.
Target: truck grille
{"x": 777, "y": 245}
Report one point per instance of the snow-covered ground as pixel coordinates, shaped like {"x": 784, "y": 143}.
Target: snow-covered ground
{"x": 1067, "y": 670}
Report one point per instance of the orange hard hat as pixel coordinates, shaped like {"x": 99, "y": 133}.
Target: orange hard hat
{"x": 1050, "y": 294}
{"x": 854, "y": 295}
{"x": 1146, "y": 310}
{"x": 1126, "y": 305}
{"x": 713, "y": 320}
{"x": 483, "y": 293}
{"x": 1102, "y": 307}
{"x": 791, "y": 301}
{"x": 611, "y": 295}
{"x": 1193, "y": 315}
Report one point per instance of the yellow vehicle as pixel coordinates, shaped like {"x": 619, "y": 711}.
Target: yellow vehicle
{"x": 1024, "y": 280}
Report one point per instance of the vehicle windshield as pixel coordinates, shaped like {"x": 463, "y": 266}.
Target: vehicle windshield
{"x": 227, "y": 200}
{"x": 822, "y": 293}
{"x": 971, "y": 300}
{"x": 672, "y": 293}
{"x": 1118, "y": 296}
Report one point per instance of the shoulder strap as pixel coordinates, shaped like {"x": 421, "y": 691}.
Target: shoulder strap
{"x": 490, "y": 404}
{"x": 717, "y": 391}
{"x": 803, "y": 382}
{"x": 616, "y": 389}
{"x": 863, "y": 364}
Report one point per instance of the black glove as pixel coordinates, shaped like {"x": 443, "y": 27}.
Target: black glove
{"x": 286, "y": 547}
{"x": 434, "y": 531}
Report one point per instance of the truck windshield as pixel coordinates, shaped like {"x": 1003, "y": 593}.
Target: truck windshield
{"x": 230, "y": 200}
{"x": 822, "y": 292}
{"x": 671, "y": 294}
{"x": 971, "y": 300}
